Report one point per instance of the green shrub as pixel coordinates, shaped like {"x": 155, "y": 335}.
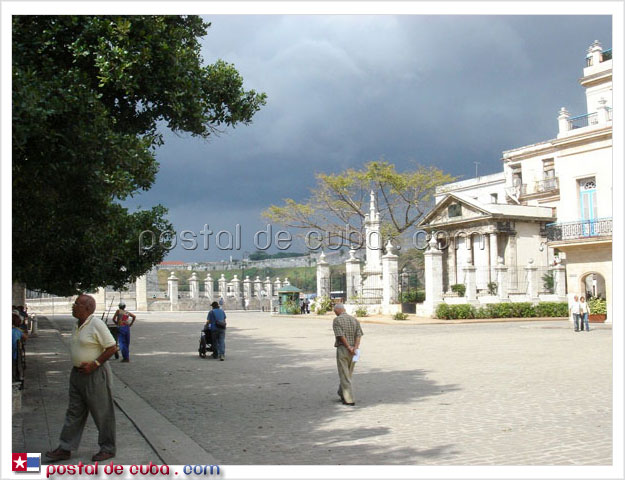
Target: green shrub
{"x": 552, "y": 309}
{"x": 453, "y": 312}
{"x": 323, "y": 305}
{"x": 492, "y": 288}
{"x": 459, "y": 288}
{"x": 400, "y": 316}
{"x": 412, "y": 295}
{"x": 361, "y": 312}
{"x": 597, "y": 306}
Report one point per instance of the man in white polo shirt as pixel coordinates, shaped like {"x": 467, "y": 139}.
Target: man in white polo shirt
{"x": 89, "y": 384}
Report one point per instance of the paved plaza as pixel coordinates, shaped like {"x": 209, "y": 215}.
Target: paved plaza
{"x": 514, "y": 393}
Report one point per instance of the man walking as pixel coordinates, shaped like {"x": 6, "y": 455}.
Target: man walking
{"x": 217, "y": 325}
{"x": 347, "y": 333}
{"x": 89, "y": 384}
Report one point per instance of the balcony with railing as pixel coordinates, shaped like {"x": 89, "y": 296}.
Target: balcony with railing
{"x": 582, "y": 121}
{"x": 580, "y": 230}
{"x": 547, "y": 185}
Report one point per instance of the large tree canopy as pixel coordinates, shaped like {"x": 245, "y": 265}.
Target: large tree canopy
{"x": 339, "y": 202}
{"x": 89, "y": 96}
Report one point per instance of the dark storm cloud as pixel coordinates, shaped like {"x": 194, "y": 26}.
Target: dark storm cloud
{"x": 342, "y": 90}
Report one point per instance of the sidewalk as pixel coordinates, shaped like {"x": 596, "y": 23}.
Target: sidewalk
{"x": 37, "y": 425}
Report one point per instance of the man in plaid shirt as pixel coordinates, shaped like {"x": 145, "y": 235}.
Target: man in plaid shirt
{"x": 347, "y": 333}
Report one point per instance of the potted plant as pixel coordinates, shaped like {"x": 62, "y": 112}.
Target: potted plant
{"x": 410, "y": 298}
{"x": 598, "y": 310}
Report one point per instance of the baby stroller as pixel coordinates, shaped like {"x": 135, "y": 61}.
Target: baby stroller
{"x": 205, "y": 344}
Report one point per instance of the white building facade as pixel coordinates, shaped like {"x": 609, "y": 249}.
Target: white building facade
{"x": 551, "y": 205}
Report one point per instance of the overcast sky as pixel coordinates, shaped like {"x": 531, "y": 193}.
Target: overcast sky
{"x": 446, "y": 91}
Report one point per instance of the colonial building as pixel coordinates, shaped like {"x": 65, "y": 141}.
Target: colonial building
{"x": 551, "y": 205}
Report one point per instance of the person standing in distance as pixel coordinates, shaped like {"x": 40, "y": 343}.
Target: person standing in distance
{"x": 89, "y": 384}
{"x": 123, "y": 331}
{"x": 347, "y": 333}
{"x": 217, "y": 324}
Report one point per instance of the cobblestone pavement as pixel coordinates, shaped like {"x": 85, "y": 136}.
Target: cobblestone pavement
{"x": 532, "y": 393}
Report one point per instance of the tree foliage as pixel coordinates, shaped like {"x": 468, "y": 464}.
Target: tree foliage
{"x": 340, "y": 202}
{"x": 90, "y": 97}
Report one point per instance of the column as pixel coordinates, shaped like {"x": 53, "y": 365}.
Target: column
{"x": 172, "y": 289}
{"x": 531, "y": 272}
{"x": 208, "y": 287}
{"x": 563, "y": 121}
{"x": 559, "y": 275}
{"x": 268, "y": 288}
{"x": 194, "y": 285}
{"x": 352, "y": 276}
{"x": 502, "y": 280}
{"x": 277, "y": 285}
{"x": 258, "y": 286}
{"x": 141, "y": 286}
{"x": 236, "y": 286}
{"x": 470, "y": 283}
{"x": 603, "y": 112}
{"x": 286, "y": 282}
{"x": 433, "y": 259}
{"x": 223, "y": 286}
{"x": 247, "y": 288}
{"x": 494, "y": 254}
{"x": 323, "y": 276}
{"x": 390, "y": 276}
{"x": 18, "y": 294}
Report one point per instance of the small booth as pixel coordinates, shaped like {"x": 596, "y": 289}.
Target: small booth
{"x": 288, "y": 298}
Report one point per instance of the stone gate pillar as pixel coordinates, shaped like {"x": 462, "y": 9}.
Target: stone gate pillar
{"x": 172, "y": 290}
{"x": 559, "y": 277}
{"x": 390, "y": 276}
{"x": 208, "y": 287}
{"x": 323, "y": 276}
{"x": 531, "y": 271}
{"x": 141, "y": 287}
{"x": 502, "y": 281}
{"x": 268, "y": 288}
{"x": 194, "y": 285}
{"x": 258, "y": 286}
{"x": 247, "y": 288}
{"x": 433, "y": 259}
{"x": 223, "y": 286}
{"x": 352, "y": 276}
{"x": 470, "y": 283}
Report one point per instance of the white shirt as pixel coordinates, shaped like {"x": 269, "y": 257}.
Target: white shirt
{"x": 575, "y": 307}
{"x": 90, "y": 340}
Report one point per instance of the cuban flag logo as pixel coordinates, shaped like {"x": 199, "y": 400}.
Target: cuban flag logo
{"x": 26, "y": 462}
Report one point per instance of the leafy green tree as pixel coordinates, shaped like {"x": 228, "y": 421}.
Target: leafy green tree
{"x": 91, "y": 96}
{"x": 340, "y": 202}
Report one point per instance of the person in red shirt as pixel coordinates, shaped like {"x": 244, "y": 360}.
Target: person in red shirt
{"x": 123, "y": 322}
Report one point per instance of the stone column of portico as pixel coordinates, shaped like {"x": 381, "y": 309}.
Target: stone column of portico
{"x": 390, "y": 276}
{"x": 141, "y": 289}
{"x": 493, "y": 254}
{"x": 352, "y": 276}
{"x": 223, "y": 286}
{"x": 323, "y": 276}
{"x": 470, "y": 283}
{"x": 208, "y": 287}
{"x": 172, "y": 289}
{"x": 194, "y": 287}
{"x": 502, "y": 280}
{"x": 563, "y": 121}
{"x": 433, "y": 260}
{"x": 531, "y": 272}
